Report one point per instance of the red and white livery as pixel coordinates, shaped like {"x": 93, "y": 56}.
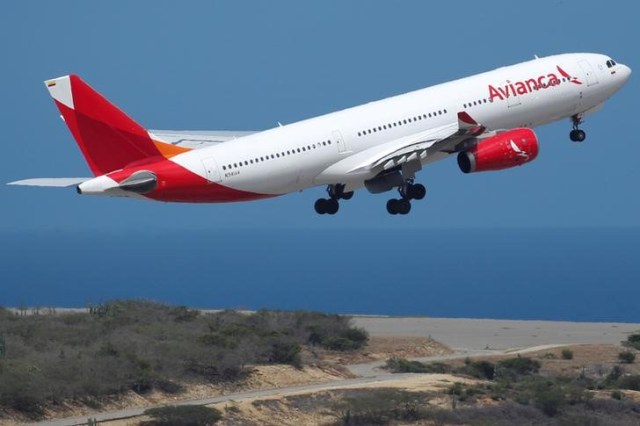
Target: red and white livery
{"x": 485, "y": 120}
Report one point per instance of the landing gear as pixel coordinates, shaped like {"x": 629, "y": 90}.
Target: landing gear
{"x": 577, "y": 134}
{"x": 409, "y": 191}
{"x": 398, "y": 206}
{"x": 331, "y": 205}
{"x": 324, "y": 206}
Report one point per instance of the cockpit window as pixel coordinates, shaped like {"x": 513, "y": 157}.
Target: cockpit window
{"x": 610, "y": 63}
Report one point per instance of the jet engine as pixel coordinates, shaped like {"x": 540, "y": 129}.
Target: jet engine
{"x": 503, "y": 151}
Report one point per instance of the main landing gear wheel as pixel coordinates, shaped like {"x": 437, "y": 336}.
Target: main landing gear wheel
{"x": 577, "y": 134}
{"x": 327, "y": 206}
{"x": 417, "y": 191}
{"x": 331, "y": 205}
{"x": 409, "y": 191}
{"x": 398, "y": 206}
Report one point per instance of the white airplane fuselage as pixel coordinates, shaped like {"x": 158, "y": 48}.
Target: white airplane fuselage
{"x": 299, "y": 171}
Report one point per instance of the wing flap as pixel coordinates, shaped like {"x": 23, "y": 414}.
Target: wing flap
{"x": 440, "y": 139}
{"x": 414, "y": 148}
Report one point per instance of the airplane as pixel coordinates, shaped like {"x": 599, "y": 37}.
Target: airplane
{"x": 485, "y": 119}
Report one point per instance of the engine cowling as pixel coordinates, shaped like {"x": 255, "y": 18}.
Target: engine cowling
{"x": 503, "y": 151}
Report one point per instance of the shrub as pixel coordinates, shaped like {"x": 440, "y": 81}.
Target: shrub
{"x": 285, "y": 352}
{"x": 616, "y": 394}
{"x": 567, "y": 354}
{"x": 520, "y": 366}
{"x": 549, "y": 399}
{"x": 633, "y": 341}
{"x": 183, "y": 415}
{"x": 403, "y": 365}
{"x": 479, "y": 369}
{"x": 626, "y": 357}
{"x": 630, "y": 382}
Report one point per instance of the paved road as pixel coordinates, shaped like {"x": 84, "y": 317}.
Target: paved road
{"x": 468, "y": 337}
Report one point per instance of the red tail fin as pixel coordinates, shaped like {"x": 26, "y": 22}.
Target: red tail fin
{"x": 108, "y": 138}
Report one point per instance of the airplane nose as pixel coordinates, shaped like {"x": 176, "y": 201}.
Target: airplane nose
{"x": 625, "y": 71}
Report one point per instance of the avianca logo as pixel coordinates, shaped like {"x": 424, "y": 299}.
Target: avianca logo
{"x": 528, "y": 86}
{"x": 519, "y": 152}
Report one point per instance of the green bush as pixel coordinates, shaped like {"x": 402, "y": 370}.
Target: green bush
{"x": 630, "y": 382}
{"x": 182, "y": 415}
{"x": 567, "y": 354}
{"x": 633, "y": 341}
{"x": 479, "y": 369}
{"x": 285, "y": 351}
{"x": 626, "y": 357}
{"x": 518, "y": 366}
{"x": 549, "y": 400}
{"x": 402, "y": 365}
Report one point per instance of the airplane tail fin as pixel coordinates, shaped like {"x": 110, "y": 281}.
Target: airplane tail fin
{"x": 108, "y": 138}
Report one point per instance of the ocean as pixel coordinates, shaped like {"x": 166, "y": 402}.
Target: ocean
{"x": 548, "y": 274}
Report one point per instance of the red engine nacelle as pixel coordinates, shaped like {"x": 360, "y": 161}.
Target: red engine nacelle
{"x": 503, "y": 151}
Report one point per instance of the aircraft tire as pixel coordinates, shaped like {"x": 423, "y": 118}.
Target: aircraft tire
{"x": 320, "y": 206}
{"x": 332, "y": 206}
{"x": 577, "y": 135}
{"x": 347, "y": 195}
{"x": 403, "y": 206}
{"x": 392, "y": 206}
{"x": 418, "y": 191}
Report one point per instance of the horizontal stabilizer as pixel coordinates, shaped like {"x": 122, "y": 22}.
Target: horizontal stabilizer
{"x": 55, "y": 182}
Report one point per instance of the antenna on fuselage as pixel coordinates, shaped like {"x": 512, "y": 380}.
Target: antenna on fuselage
{"x": 536, "y": 56}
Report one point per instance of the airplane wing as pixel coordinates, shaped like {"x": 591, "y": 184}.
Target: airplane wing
{"x": 415, "y": 148}
{"x": 196, "y": 139}
{"x": 55, "y": 182}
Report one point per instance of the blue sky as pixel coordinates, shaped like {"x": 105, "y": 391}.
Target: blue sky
{"x": 247, "y": 65}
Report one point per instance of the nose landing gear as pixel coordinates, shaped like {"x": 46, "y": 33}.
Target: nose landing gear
{"x": 577, "y": 134}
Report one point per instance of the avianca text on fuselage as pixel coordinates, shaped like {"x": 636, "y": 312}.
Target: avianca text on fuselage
{"x": 529, "y": 85}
